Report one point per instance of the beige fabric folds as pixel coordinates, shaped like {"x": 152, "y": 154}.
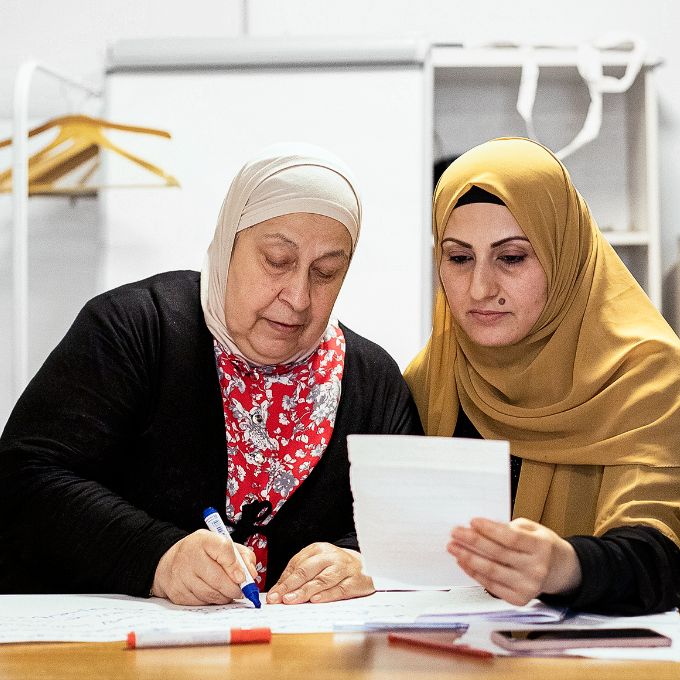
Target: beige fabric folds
{"x": 280, "y": 180}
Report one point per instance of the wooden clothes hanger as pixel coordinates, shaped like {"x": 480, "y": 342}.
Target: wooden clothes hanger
{"x": 77, "y": 145}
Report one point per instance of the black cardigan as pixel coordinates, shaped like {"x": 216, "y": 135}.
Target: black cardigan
{"x": 118, "y": 444}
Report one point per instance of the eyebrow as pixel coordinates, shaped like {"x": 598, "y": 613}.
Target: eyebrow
{"x": 495, "y": 244}
{"x": 281, "y": 237}
{"x": 340, "y": 252}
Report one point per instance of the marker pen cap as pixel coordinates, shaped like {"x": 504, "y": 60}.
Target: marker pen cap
{"x": 240, "y": 635}
{"x": 209, "y": 511}
{"x": 252, "y": 593}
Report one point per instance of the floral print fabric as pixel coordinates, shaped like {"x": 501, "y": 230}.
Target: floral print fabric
{"x": 278, "y": 422}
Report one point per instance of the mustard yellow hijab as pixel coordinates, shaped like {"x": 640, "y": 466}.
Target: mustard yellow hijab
{"x": 591, "y": 397}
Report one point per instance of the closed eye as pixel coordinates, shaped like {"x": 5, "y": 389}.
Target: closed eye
{"x": 324, "y": 275}
{"x": 275, "y": 264}
{"x": 459, "y": 259}
{"x": 512, "y": 259}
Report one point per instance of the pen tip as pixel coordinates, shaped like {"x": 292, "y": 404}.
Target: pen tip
{"x": 252, "y": 593}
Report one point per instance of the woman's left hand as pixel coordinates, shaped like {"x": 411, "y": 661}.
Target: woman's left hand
{"x": 515, "y": 561}
{"x": 321, "y": 572}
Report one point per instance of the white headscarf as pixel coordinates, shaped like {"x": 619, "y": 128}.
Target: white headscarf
{"x": 280, "y": 180}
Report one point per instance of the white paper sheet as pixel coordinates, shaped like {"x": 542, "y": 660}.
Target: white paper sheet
{"x": 408, "y": 494}
{"x": 108, "y": 618}
{"x": 464, "y": 605}
{"x": 468, "y": 604}
{"x": 103, "y": 618}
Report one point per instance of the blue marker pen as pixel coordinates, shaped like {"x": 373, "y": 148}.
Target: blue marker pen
{"x": 216, "y": 525}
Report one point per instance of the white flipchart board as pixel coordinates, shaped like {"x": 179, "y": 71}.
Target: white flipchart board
{"x": 221, "y": 100}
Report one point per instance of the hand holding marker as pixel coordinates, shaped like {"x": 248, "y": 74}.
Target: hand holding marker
{"x": 216, "y": 525}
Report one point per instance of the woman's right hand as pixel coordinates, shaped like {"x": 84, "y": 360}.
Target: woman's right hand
{"x": 516, "y": 561}
{"x": 202, "y": 569}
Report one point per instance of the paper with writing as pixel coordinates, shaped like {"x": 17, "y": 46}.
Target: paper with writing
{"x": 409, "y": 492}
{"x": 103, "y": 618}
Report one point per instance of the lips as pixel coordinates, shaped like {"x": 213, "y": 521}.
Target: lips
{"x": 486, "y": 315}
{"x": 285, "y": 328}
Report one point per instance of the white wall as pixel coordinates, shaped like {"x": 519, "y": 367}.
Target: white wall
{"x": 72, "y": 35}
{"x": 236, "y": 113}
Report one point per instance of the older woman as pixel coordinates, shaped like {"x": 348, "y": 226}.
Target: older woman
{"x": 231, "y": 389}
{"x": 542, "y": 337}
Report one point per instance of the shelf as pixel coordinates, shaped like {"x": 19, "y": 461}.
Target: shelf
{"x": 456, "y": 56}
{"x": 475, "y": 99}
{"x": 182, "y": 54}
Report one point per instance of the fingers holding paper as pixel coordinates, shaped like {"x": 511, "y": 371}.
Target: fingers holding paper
{"x": 202, "y": 569}
{"x": 321, "y": 572}
{"x": 516, "y": 560}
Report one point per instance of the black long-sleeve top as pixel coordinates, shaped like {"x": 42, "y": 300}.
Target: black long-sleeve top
{"x": 627, "y": 571}
{"x": 118, "y": 444}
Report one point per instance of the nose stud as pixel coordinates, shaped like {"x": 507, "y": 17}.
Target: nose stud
{"x": 501, "y": 301}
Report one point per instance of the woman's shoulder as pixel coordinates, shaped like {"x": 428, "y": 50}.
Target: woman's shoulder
{"x": 374, "y": 393}
{"x": 166, "y": 285}
{"x": 173, "y": 289}
{"x": 163, "y": 301}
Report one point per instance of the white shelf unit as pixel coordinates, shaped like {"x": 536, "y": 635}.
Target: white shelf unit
{"x": 475, "y": 94}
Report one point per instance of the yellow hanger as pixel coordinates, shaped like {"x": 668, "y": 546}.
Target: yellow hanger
{"x": 77, "y": 143}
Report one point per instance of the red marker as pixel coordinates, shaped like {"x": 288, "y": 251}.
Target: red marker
{"x": 161, "y": 637}
{"x": 447, "y": 643}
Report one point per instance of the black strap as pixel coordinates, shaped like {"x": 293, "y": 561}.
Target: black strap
{"x": 252, "y": 517}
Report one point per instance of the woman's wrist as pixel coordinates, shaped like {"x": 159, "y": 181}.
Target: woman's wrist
{"x": 565, "y": 574}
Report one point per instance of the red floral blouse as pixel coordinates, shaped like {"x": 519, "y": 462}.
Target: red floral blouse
{"x": 278, "y": 421}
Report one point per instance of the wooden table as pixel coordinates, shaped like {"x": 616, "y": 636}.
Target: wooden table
{"x": 297, "y": 657}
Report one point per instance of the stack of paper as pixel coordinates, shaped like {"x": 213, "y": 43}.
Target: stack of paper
{"x": 409, "y": 492}
{"x": 461, "y": 606}
{"x": 467, "y": 604}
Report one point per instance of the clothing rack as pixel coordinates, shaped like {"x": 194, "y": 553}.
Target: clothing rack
{"x": 22, "y": 88}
